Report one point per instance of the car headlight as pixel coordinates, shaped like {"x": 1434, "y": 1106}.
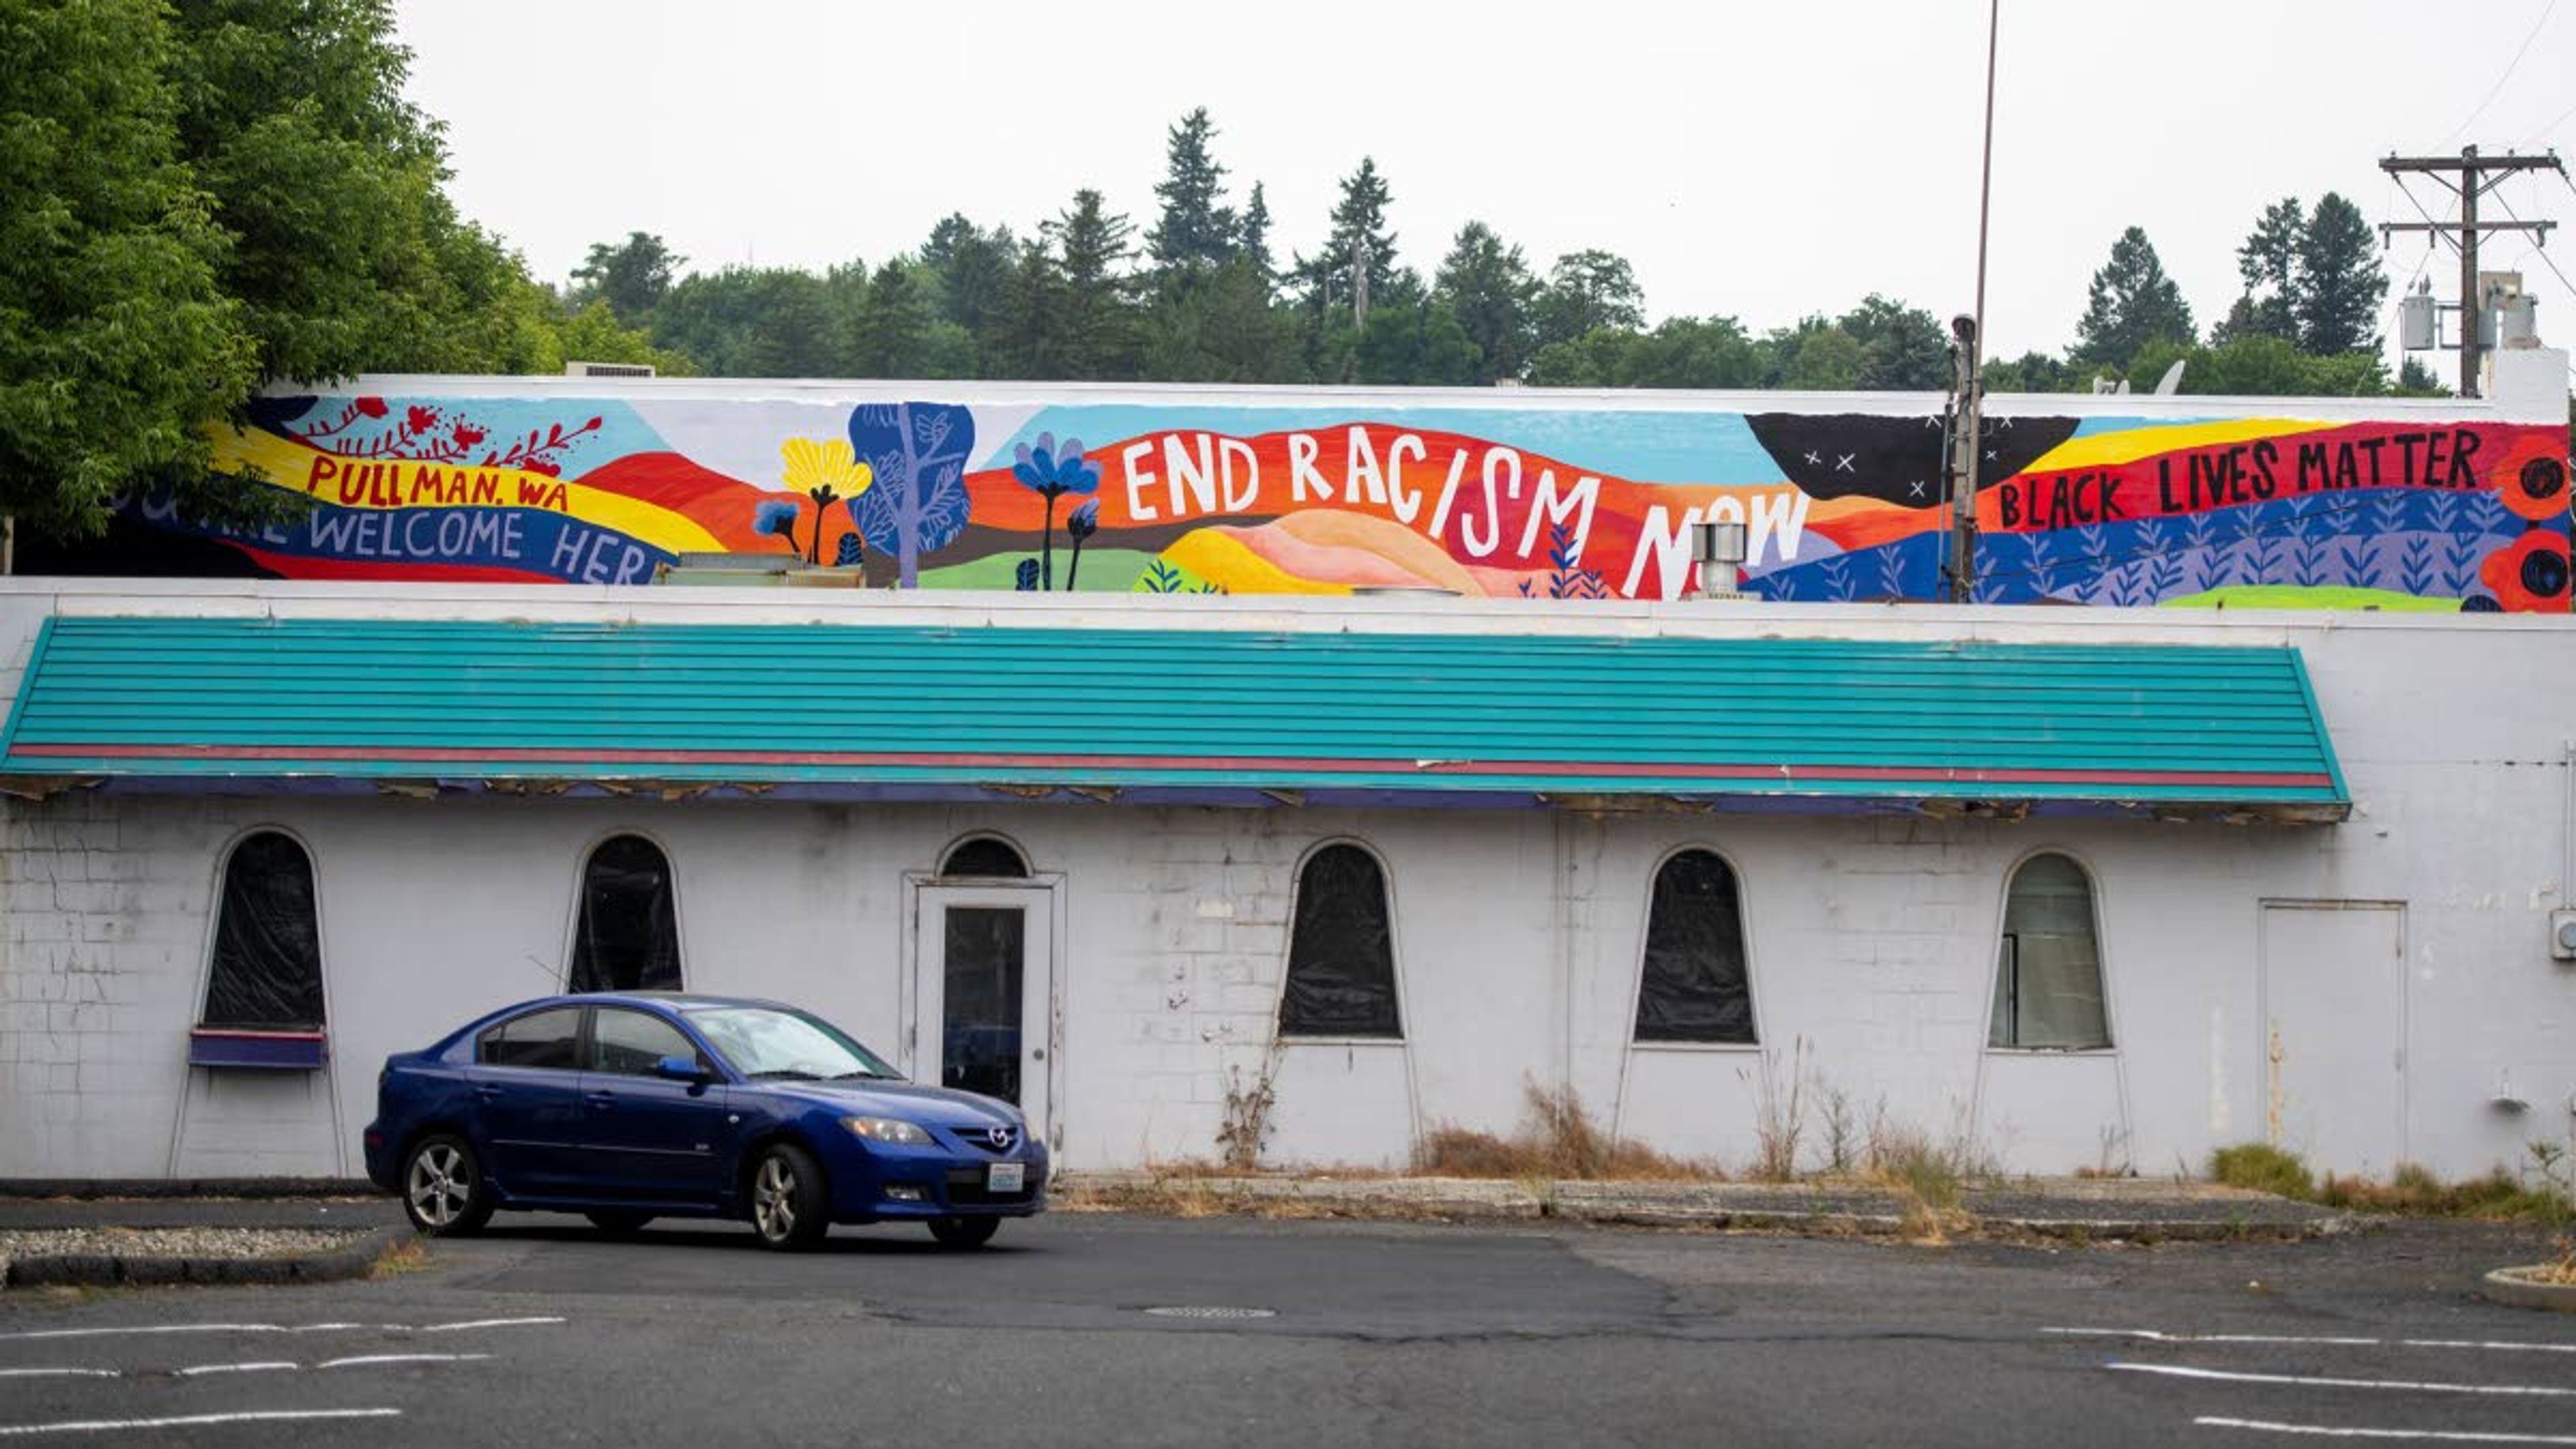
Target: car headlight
{"x": 891, "y": 1130}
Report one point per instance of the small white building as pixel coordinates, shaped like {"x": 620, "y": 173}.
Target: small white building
{"x": 2093, "y": 888}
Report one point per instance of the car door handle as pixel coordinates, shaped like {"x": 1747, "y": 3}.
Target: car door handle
{"x": 486, "y": 1090}
{"x": 601, "y": 1099}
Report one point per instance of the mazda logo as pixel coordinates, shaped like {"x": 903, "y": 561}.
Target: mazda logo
{"x": 999, "y": 1137}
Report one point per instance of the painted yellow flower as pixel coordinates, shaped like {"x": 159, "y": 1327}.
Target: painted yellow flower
{"x": 824, "y": 468}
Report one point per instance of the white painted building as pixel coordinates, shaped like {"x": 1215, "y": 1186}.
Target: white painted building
{"x": 2371, "y": 990}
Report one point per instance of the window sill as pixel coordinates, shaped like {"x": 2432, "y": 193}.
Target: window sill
{"x": 1714, "y": 1048}
{"x": 2021, "y": 1051}
{"x": 1341, "y": 1041}
{"x": 272, "y": 1051}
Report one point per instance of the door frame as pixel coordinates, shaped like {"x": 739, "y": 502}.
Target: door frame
{"x": 1044, "y": 894}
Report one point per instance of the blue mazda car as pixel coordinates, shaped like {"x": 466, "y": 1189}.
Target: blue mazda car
{"x": 629, "y": 1106}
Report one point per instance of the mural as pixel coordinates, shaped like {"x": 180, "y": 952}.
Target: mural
{"x": 1284, "y": 494}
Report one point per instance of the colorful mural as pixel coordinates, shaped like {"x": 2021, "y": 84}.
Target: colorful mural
{"x": 1288, "y": 493}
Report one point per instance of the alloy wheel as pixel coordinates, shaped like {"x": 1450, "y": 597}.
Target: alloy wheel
{"x": 442, "y": 1184}
{"x": 773, "y": 1199}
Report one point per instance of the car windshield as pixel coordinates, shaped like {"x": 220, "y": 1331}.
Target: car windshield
{"x": 766, "y": 1044}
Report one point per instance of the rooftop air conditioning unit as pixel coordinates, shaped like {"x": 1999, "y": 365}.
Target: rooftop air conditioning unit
{"x": 608, "y": 369}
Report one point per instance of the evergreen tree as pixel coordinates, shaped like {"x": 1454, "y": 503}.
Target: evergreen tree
{"x": 631, "y": 276}
{"x": 1252, "y": 238}
{"x": 1489, "y": 290}
{"x": 1097, "y": 327}
{"x": 2340, "y": 285}
{"x": 895, "y": 326}
{"x": 2132, "y": 303}
{"x": 1587, "y": 291}
{"x": 1902, "y": 348}
{"x": 1359, "y": 231}
{"x": 1022, "y": 338}
{"x": 1196, "y": 230}
{"x": 2269, "y": 263}
{"x": 972, "y": 269}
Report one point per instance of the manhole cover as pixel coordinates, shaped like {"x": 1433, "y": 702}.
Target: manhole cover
{"x": 1210, "y": 1311}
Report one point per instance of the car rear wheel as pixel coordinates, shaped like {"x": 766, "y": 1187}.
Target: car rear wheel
{"x": 443, "y": 1191}
{"x": 964, "y": 1232}
{"x": 619, "y": 1224}
{"x": 787, "y": 1197}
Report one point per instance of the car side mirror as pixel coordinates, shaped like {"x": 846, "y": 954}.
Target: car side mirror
{"x": 680, "y": 1069}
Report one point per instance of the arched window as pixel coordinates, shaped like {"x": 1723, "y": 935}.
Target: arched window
{"x": 2048, "y": 972}
{"x": 1694, "y": 987}
{"x": 628, "y": 937}
{"x": 267, "y": 971}
{"x": 1341, "y": 950}
{"x": 985, "y": 856}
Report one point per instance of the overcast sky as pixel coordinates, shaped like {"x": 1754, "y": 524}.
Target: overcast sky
{"x": 1760, "y": 160}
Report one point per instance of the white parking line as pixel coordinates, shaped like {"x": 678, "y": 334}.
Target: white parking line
{"x": 372, "y": 1360}
{"x": 231, "y": 1368}
{"x": 192, "y": 1421}
{"x": 2180, "y": 1371}
{"x": 2151, "y": 1335}
{"x": 2340, "y": 1431}
{"x": 56, "y": 1373}
{"x": 153, "y": 1328}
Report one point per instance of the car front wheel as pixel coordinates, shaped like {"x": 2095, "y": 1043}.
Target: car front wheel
{"x": 443, "y": 1191}
{"x": 787, "y": 1197}
{"x": 964, "y": 1232}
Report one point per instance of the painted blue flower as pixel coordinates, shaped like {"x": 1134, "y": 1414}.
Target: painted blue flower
{"x": 1051, "y": 473}
{"x": 1084, "y": 521}
{"x": 776, "y": 517}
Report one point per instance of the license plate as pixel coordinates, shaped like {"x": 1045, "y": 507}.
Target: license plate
{"x": 1006, "y": 1177}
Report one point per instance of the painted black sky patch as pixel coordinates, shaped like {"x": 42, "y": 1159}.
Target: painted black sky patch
{"x": 1894, "y": 460}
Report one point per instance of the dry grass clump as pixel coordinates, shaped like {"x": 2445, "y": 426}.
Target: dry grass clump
{"x": 2412, "y": 1190}
{"x": 1557, "y": 1140}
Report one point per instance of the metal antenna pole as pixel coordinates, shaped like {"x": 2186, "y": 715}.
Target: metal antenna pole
{"x": 1963, "y": 550}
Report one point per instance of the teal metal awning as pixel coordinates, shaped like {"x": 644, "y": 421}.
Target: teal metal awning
{"x": 1171, "y": 715}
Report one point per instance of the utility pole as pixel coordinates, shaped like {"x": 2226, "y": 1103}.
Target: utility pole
{"x": 1968, "y": 334}
{"x": 2473, "y": 171}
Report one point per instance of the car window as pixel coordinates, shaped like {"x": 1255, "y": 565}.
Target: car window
{"x": 763, "y": 1042}
{"x": 631, "y": 1043}
{"x": 539, "y": 1039}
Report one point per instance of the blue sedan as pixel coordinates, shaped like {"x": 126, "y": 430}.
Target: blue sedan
{"x": 635, "y": 1105}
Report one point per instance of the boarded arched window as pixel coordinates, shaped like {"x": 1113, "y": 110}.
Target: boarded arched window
{"x": 267, "y": 971}
{"x": 983, "y": 855}
{"x": 1694, "y": 988}
{"x": 1341, "y": 950}
{"x": 628, "y": 937}
{"x": 2048, "y": 972}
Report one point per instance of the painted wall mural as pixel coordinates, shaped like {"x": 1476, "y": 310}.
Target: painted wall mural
{"x": 1289, "y": 494}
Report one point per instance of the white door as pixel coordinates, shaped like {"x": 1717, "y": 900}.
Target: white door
{"x": 984, "y": 993}
{"x": 2334, "y": 1032}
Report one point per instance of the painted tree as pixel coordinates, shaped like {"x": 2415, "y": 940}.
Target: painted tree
{"x": 916, "y": 455}
{"x": 1488, "y": 288}
{"x": 2340, "y": 284}
{"x": 2132, "y": 302}
{"x": 1197, "y": 230}
{"x": 1587, "y": 291}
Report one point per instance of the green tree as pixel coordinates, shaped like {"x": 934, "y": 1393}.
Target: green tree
{"x": 631, "y": 276}
{"x": 1902, "y": 348}
{"x": 2269, "y": 263}
{"x": 1814, "y": 355}
{"x": 1415, "y": 342}
{"x": 1223, "y": 328}
{"x": 1489, "y": 290}
{"x": 1252, "y": 237}
{"x": 117, "y": 347}
{"x": 1359, "y": 231}
{"x": 1196, "y": 230}
{"x": 973, "y": 269}
{"x": 1097, "y": 322}
{"x": 2132, "y": 303}
{"x": 2340, "y": 285}
{"x": 1587, "y": 291}
{"x": 2031, "y": 372}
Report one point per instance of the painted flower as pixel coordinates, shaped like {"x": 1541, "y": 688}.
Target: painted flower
{"x": 1051, "y": 472}
{"x": 2530, "y": 574}
{"x": 2531, "y": 478}
{"x": 1083, "y": 522}
{"x": 825, "y": 470}
{"x": 419, "y": 419}
{"x": 466, "y": 434}
{"x": 373, "y": 407}
{"x": 774, "y": 516}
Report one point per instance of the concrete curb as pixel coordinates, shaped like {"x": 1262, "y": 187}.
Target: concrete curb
{"x": 2507, "y": 1286}
{"x": 354, "y": 1259}
{"x": 90, "y": 1188}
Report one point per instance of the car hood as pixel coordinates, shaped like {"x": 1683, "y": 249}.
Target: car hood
{"x": 911, "y": 1101}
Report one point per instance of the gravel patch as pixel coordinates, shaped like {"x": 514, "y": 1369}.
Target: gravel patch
{"x": 229, "y": 1244}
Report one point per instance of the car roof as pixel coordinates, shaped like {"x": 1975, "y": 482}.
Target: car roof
{"x": 667, "y": 1000}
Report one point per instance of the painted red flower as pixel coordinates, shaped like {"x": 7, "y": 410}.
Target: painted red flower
{"x": 373, "y": 407}
{"x": 466, "y": 434}
{"x": 420, "y": 419}
{"x": 2531, "y": 477}
{"x": 2529, "y": 575}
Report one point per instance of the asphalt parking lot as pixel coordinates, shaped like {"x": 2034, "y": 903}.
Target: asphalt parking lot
{"x": 1095, "y": 1329}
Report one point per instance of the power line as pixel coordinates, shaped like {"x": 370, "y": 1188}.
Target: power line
{"x": 2537, "y": 250}
{"x": 2478, "y": 175}
{"x": 2510, "y": 66}
{"x": 2544, "y": 131}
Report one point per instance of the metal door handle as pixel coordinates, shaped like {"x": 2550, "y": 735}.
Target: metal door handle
{"x": 486, "y": 1090}
{"x": 601, "y": 1099}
